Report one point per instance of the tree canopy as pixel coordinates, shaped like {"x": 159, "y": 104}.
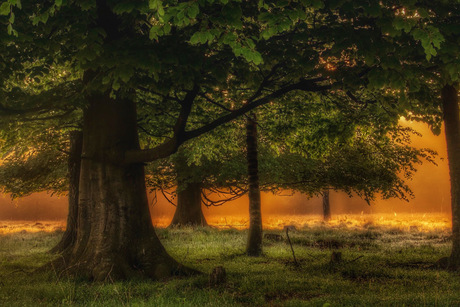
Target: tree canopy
{"x": 115, "y": 63}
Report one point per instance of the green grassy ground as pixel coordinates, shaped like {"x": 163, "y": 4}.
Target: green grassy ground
{"x": 381, "y": 266}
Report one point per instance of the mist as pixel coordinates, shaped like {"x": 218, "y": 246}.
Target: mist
{"x": 430, "y": 185}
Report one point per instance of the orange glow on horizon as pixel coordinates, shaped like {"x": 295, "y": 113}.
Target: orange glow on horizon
{"x": 402, "y": 222}
{"x": 10, "y": 227}
{"x": 418, "y": 222}
{"x": 430, "y": 185}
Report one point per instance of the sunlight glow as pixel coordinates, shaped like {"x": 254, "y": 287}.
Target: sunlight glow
{"x": 422, "y": 222}
{"x": 9, "y": 227}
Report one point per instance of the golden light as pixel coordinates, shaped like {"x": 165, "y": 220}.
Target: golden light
{"x": 429, "y": 210}
{"x": 10, "y": 227}
{"x": 401, "y": 222}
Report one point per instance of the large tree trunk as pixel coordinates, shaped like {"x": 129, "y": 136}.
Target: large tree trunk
{"x": 74, "y": 163}
{"x": 452, "y": 128}
{"x": 188, "y": 210}
{"x": 115, "y": 236}
{"x": 326, "y": 206}
{"x": 254, "y": 246}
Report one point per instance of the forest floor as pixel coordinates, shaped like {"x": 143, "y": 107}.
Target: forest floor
{"x": 381, "y": 266}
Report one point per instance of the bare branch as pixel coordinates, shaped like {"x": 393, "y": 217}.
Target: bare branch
{"x": 166, "y": 197}
{"x": 208, "y": 202}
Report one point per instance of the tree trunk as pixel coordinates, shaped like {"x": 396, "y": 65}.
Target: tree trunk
{"x": 188, "y": 210}
{"x": 326, "y": 206}
{"x": 115, "y": 237}
{"x": 254, "y": 246}
{"x": 452, "y": 127}
{"x": 74, "y": 163}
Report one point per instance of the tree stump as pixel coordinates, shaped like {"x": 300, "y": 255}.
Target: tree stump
{"x": 218, "y": 276}
{"x": 442, "y": 263}
{"x": 336, "y": 257}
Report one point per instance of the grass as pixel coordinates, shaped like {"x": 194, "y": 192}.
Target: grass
{"x": 381, "y": 266}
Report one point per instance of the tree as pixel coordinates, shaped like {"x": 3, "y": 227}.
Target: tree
{"x": 326, "y": 206}
{"x": 188, "y": 208}
{"x": 254, "y": 243}
{"x": 445, "y": 68}
{"x": 37, "y": 163}
{"x": 120, "y": 54}
{"x": 450, "y": 108}
{"x": 439, "y": 73}
{"x": 202, "y": 167}
{"x": 115, "y": 237}
{"x": 29, "y": 167}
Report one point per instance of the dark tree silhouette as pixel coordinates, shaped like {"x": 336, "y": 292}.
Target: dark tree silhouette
{"x": 452, "y": 125}
{"x": 326, "y": 205}
{"x": 254, "y": 244}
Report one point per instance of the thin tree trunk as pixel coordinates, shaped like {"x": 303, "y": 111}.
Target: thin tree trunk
{"x": 74, "y": 163}
{"x": 326, "y": 206}
{"x": 452, "y": 127}
{"x": 115, "y": 236}
{"x": 188, "y": 210}
{"x": 254, "y": 245}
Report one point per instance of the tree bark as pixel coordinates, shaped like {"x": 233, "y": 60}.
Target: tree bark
{"x": 326, "y": 206}
{"x": 188, "y": 210}
{"x": 115, "y": 237}
{"x": 254, "y": 245}
{"x": 189, "y": 184}
{"x": 452, "y": 128}
{"x": 74, "y": 163}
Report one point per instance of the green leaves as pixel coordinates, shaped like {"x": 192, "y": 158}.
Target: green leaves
{"x": 430, "y": 38}
{"x": 5, "y": 8}
{"x": 249, "y": 54}
{"x": 10, "y": 29}
{"x": 203, "y": 37}
{"x": 193, "y": 11}
{"x": 157, "y": 5}
{"x": 405, "y": 24}
{"x": 43, "y": 18}
{"x": 125, "y": 73}
{"x": 155, "y": 32}
{"x": 418, "y": 23}
{"x": 453, "y": 71}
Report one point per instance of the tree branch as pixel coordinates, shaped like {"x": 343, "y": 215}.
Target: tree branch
{"x": 303, "y": 85}
{"x": 180, "y": 135}
{"x": 170, "y": 146}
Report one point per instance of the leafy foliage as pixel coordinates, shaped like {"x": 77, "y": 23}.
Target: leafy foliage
{"x": 362, "y": 63}
{"x": 36, "y": 164}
